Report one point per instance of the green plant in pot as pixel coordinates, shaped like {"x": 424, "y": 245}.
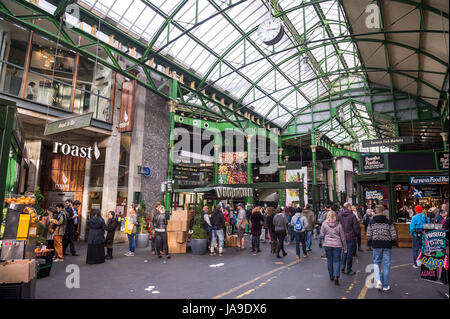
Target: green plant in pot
{"x": 199, "y": 241}
{"x": 142, "y": 235}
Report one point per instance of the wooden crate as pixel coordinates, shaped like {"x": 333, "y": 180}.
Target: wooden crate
{"x": 177, "y": 225}
{"x": 177, "y": 248}
{"x": 403, "y": 235}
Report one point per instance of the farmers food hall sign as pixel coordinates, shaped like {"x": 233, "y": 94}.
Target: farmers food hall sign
{"x": 428, "y": 180}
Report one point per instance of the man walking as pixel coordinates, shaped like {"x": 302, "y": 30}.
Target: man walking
{"x": 381, "y": 235}
{"x": 299, "y": 225}
{"x": 69, "y": 236}
{"x": 217, "y": 224}
{"x": 311, "y": 217}
{"x": 351, "y": 230}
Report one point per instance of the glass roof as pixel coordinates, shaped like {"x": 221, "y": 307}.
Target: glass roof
{"x": 274, "y": 81}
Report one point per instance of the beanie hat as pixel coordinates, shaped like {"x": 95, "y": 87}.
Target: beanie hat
{"x": 418, "y": 209}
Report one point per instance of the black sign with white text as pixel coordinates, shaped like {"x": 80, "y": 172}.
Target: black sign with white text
{"x": 373, "y": 163}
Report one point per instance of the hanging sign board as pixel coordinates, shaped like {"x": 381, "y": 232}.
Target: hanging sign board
{"x": 373, "y": 163}
{"x": 126, "y": 117}
{"x": 429, "y": 180}
{"x": 388, "y": 141}
{"x": 430, "y": 191}
{"x": 68, "y": 124}
{"x": 374, "y": 194}
{"x": 443, "y": 161}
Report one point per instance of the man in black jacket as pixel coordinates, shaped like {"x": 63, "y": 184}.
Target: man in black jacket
{"x": 69, "y": 236}
{"x": 217, "y": 223}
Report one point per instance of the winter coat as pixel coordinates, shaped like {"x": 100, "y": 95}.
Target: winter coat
{"x": 159, "y": 222}
{"x": 350, "y": 224}
{"x": 270, "y": 224}
{"x": 417, "y": 222}
{"x": 97, "y": 228}
{"x": 280, "y": 222}
{"x": 381, "y": 232}
{"x": 70, "y": 226}
{"x": 303, "y": 219}
{"x": 111, "y": 227}
{"x": 217, "y": 220}
{"x": 311, "y": 217}
{"x": 257, "y": 219}
{"x": 60, "y": 221}
{"x": 333, "y": 235}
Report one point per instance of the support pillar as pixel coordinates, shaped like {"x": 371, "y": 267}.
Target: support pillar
{"x": 314, "y": 188}
{"x": 216, "y": 167}
{"x": 249, "y": 167}
{"x": 168, "y": 196}
{"x": 445, "y": 140}
{"x": 335, "y": 197}
{"x": 396, "y": 134}
{"x": 280, "y": 174}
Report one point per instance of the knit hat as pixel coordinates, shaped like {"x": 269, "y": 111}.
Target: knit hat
{"x": 418, "y": 209}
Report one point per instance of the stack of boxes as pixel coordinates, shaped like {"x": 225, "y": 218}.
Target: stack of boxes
{"x": 177, "y": 231}
{"x": 232, "y": 241}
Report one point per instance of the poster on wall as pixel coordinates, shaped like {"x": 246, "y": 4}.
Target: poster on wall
{"x": 443, "y": 161}
{"x": 126, "y": 116}
{"x": 376, "y": 194}
{"x": 232, "y": 168}
{"x": 373, "y": 163}
{"x": 433, "y": 256}
{"x": 292, "y": 176}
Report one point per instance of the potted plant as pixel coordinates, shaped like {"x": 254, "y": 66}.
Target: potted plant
{"x": 199, "y": 241}
{"x": 142, "y": 235}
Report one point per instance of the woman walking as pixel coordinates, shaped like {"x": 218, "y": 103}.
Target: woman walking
{"x": 160, "y": 224}
{"x": 96, "y": 239}
{"x": 280, "y": 224}
{"x": 256, "y": 220}
{"x": 333, "y": 241}
{"x": 132, "y": 221}
{"x": 111, "y": 230}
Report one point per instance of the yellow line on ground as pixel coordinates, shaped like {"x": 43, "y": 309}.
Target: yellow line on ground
{"x": 364, "y": 290}
{"x": 246, "y": 293}
{"x": 254, "y": 279}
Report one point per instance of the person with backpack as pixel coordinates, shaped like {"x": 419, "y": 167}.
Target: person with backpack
{"x": 382, "y": 235}
{"x": 59, "y": 221}
{"x": 281, "y": 225}
{"x": 334, "y": 242}
{"x": 299, "y": 224}
{"x": 111, "y": 227}
{"x": 416, "y": 230}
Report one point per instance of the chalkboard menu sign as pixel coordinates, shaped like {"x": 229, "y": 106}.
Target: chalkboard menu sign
{"x": 443, "y": 161}
{"x": 417, "y": 161}
{"x": 373, "y": 163}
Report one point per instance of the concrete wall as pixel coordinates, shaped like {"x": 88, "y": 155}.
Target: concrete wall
{"x": 155, "y": 147}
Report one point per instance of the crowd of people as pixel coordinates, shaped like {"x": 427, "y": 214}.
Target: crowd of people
{"x": 338, "y": 229}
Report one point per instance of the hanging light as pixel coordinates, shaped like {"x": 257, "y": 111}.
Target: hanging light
{"x": 305, "y": 64}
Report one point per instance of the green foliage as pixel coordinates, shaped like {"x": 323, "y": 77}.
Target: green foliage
{"x": 198, "y": 231}
{"x": 41, "y": 231}
{"x": 142, "y": 229}
{"x": 39, "y": 199}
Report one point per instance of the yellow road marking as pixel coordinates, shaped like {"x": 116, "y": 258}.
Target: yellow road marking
{"x": 364, "y": 290}
{"x": 254, "y": 279}
{"x": 246, "y": 293}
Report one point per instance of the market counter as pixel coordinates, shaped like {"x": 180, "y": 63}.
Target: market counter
{"x": 403, "y": 235}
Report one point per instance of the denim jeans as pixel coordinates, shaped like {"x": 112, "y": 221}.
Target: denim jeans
{"x": 219, "y": 234}
{"x": 333, "y": 259}
{"x": 308, "y": 239}
{"x": 320, "y": 236}
{"x": 382, "y": 256}
{"x": 300, "y": 237}
{"x": 255, "y": 242}
{"x": 416, "y": 247}
{"x": 131, "y": 242}
{"x": 291, "y": 233}
{"x": 347, "y": 259}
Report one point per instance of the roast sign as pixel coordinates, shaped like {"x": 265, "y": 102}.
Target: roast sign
{"x": 74, "y": 150}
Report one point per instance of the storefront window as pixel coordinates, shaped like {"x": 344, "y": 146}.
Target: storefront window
{"x": 13, "y": 48}
{"x": 124, "y": 159}
{"x": 97, "y": 170}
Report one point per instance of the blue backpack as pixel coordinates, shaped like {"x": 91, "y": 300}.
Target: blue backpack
{"x": 298, "y": 225}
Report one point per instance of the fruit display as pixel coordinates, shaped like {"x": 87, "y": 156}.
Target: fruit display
{"x": 20, "y": 199}
{"x": 42, "y": 252}
{"x": 34, "y": 217}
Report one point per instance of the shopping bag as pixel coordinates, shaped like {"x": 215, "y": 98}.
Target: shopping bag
{"x": 128, "y": 227}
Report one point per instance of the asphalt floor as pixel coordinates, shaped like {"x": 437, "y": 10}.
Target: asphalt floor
{"x": 235, "y": 275}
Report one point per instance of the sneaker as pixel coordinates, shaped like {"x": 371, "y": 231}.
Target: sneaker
{"x": 379, "y": 285}
{"x": 298, "y": 257}
{"x": 336, "y": 281}
{"x": 168, "y": 257}
{"x": 305, "y": 256}
{"x": 56, "y": 260}
{"x": 127, "y": 253}
{"x": 386, "y": 288}
{"x": 320, "y": 245}
{"x": 284, "y": 254}
{"x": 130, "y": 254}
{"x": 220, "y": 254}
{"x": 415, "y": 267}
{"x": 351, "y": 272}
{"x": 259, "y": 251}
{"x": 212, "y": 253}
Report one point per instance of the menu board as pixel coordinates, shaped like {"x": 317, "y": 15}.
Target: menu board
{"x": 377, "y": 194}
{"x": 373, "y": 163}
{"x": 433, "y": 254}
{"x": 443, "y": 161}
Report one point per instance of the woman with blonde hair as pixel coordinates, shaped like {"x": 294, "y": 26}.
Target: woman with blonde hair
{"x": 334, "y": 242}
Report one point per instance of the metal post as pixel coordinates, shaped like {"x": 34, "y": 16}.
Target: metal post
{"x": 280, "y": 174}
{"x": 172, "y": 104}
{"x": 335, "y": 197}
{"x": 216, "y": 167}
{"x": 445, "y": 140}
{"x": 249, "y": 167}
{"x": 314, "y": 188}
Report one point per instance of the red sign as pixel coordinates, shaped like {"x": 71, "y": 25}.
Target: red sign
{"x": 126, "y": 117}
